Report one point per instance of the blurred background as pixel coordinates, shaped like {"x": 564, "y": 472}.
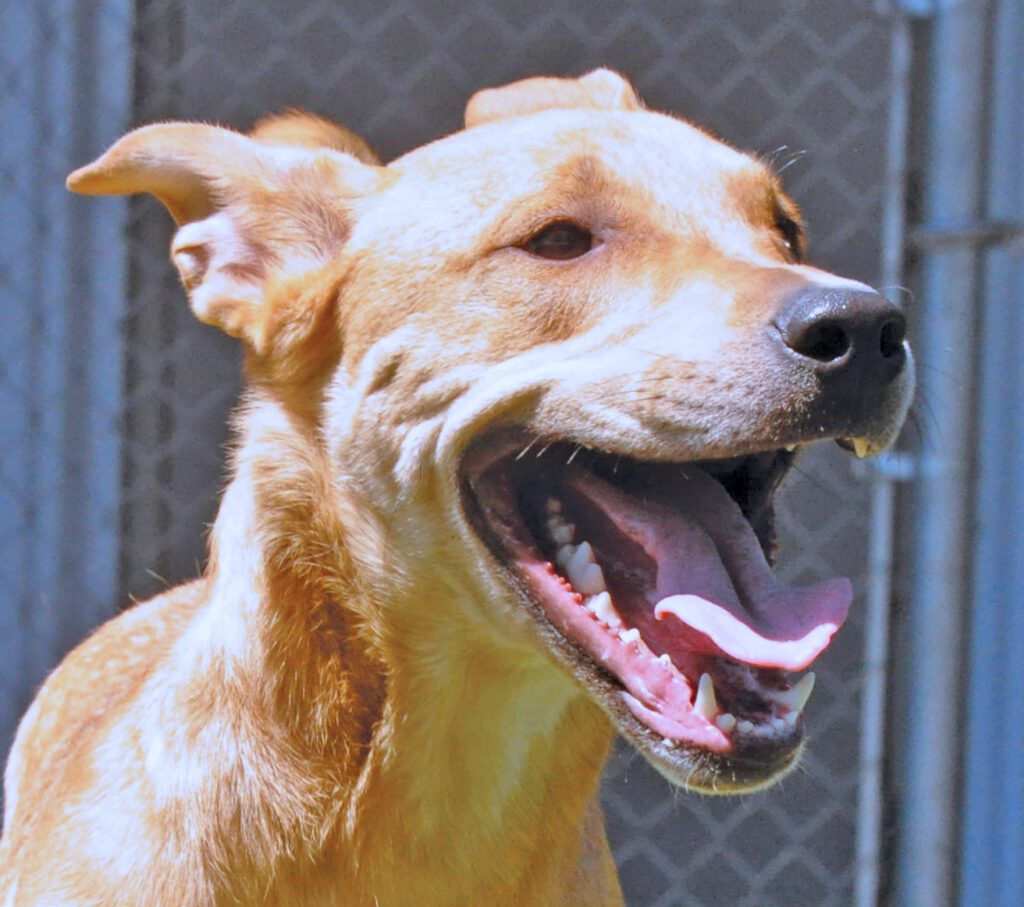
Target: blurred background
{"x": 898, "y": 126}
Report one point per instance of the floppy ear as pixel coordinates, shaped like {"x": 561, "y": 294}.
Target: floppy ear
{"x": 601, "y": 89}
{"x": 249, "y": 213}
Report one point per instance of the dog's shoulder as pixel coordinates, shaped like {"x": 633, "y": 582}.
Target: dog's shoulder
{"x": 79, "y": 699}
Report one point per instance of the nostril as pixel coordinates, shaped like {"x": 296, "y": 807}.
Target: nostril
{"x": 838, "y": 332}
{"x": 826, "y": 341}
{"x": 893, "y": 333}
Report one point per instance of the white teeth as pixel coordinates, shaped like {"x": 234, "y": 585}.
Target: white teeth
{"x": 746, "y": 726}
{"x": 796, "y": 698}
{"x": 790, "y": 447}
{"x": 577, "y": 562}
{"x": 555, "y": 518}
{"x": 779, "y": 724}
{"x": 664, "y": 659}
{"x": 790, "y": 718}
{"x": 589, "y": 580}
{"x": 861, "y": 447}
{"x": 580, "y": 558}
{"x": 705, "y": 703}
{"x": 562, "y": 533}
{"x": 726, "y": 721}
{"x": 630, "y": 635}
{"x": 602, "y": 607}
{"x": 669, "y": 742}
{"x": 564, "y": 554}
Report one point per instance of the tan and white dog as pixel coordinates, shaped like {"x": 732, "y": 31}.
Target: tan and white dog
{"x": 517, "y": 406}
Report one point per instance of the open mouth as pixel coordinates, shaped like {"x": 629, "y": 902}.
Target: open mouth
{"x": 656, "y": 580}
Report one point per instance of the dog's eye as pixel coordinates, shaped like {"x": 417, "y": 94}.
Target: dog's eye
{"x": 792, "y": 237}
{"x": 560, "y": 241}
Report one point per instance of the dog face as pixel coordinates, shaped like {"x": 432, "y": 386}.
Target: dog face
{"x": 562, "y": 360}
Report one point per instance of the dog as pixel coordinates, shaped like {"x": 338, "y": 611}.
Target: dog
{"x": 517, "y": 405}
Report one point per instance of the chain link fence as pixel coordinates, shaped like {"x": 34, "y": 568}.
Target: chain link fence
{"x": 802, "y": 82}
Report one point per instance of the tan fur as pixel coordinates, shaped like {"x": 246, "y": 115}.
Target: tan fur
{"x": 350, "y": 707}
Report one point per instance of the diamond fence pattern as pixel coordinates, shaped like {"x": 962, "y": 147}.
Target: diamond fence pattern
{"x": 803, "y": 81}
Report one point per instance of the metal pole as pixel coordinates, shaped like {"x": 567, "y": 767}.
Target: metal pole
{"x": 880, "y": 566}
{"x": 993, "y": 831}
{"x": 943, "y": 513}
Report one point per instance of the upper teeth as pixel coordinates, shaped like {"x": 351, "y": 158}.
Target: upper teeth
{"x": 582, "y": 570}
{"x": 561, "y": 532}
{"x": 563, "y": 554}
{"x": 861, "y": 447}
{"x": 589, "y": 580}
{"x": 581, "y": 556}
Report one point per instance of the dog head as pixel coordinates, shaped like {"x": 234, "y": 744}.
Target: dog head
{"x": 563, "y": 357}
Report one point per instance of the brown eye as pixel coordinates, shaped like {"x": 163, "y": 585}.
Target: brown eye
{"x": 560, "y": 241}
{"x": 792, "y": 237}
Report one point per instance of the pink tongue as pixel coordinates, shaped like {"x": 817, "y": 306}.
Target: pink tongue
{"x": 713, "y": 577}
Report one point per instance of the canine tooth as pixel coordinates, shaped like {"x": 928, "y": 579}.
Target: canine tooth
{"x": 669, "y": 742}
{"x": 564, "y": 555}
{"x": 665, "y": 659}
{"x": 630, "y": 635}
{"x": 589, "y": 580}
{"x": 796, "y": 698}
{"x": 790, "y": 447}
{"x": 602, "y": 607}
{"x": 705, "y": 703}
{"x": 726, "y": 721}
{"x": 779, "y": 724}
{"x": 790, "y": 718}
{"x": 861, "y": 447}
{"x": 554, "y": 505}
{"x": 582, "y": 556}
{"x": 562, "y": 533}
{"x": 746, "y": 726}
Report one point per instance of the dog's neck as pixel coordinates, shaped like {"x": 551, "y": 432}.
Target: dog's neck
{"x": 420, "y": 751}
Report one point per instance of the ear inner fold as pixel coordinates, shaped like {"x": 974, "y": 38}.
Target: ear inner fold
{"x": 244, "y": 207}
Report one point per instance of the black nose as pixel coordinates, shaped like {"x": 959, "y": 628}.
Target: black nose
{"x": 845, "y": 334}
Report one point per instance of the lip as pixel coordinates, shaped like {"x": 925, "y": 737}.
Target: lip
{"x": 646, "y": 672}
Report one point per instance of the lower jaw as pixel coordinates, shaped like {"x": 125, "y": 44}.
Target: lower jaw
{"x": 747, "y": 765}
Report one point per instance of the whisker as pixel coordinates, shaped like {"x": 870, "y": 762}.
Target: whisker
{"x": 796, "y": 157}
{"x": 906, "y": 290}
{"x": 810, "y": 478}
{"x": 526, "y": 449}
